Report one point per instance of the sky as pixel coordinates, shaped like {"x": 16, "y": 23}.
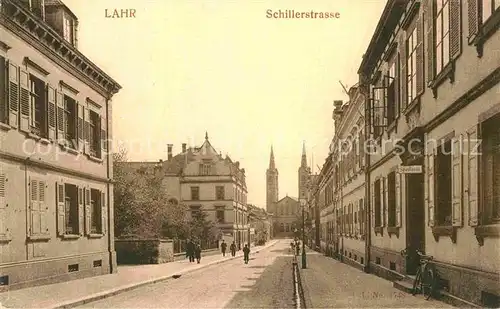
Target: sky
{"x": 225, "y": 68}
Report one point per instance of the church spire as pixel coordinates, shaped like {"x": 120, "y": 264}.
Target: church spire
{"x": 272, "y": 166}
{"x": 303, "y": 163}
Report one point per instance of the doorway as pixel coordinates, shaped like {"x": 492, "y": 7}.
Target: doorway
{"x": 415, "y": 220}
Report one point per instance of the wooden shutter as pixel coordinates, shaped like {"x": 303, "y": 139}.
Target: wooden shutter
{"x": 104, "y": 212}
{"x": 13, "y": 95}
{"x": 25, "y": 107}
{"x": 429, "y": 184}
{"x": 3, "y": 89}
{"x": 4, "y": 230}
{"x": 403, "y": 76}
{"x": 82, "y": 202}
{"x": 104, "y": 137}
{"x": 385, "y": 201}
{"x": 473, "y": 173}
{"x": 86, "y": 130}
{"x": 34, "y": 207}
{"x": 80, "y": 127}
{"x": 82, "y": 209}
{"x": 455, "y": 29}
{"x": 61, "y": 118}
{"x": 420, "y": 56}
{"x": 42, "y": 208}
{"x": 473, "y": 14}
{"x": 430, "y": 40}
{"x": 399, "y": 204}
{"x": 61, "y": 208}
{"x": 51, "y": 113}
{"x": 456, "y": 180}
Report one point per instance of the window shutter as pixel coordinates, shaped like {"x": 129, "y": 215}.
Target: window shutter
{"x": 43, "y": 209}
{"x": 455, "y": 29}
{"x": 61, "y": 208}
{"x": 372, "y": 204}
{"x": 82, "y": 203}
{"x": 473, "y": 172}
{"x": 399, "y": 203}
{"x": 430, "y": 40}
{"x": 385, "y": 201}
{"x": 4, "y": 230}
{"x": 80, "y": 127}
{"x": 420, "y": 56}
{"x": 24, "y": 81}
{"x": 61, "y": 125}
{"x": 429, "y": 192}
{"x": 104, "y": 137}
{"x": 3, "y": 89}
{"x": 403, "y": 76}
{"x": 86, "y": 130}
{"x": 104, "y": 212}
{"x": 82, "y": 209}
{"x": 51, "y": 113}
{"x": 13, "y": 95}
{"x": 473, "y": 14}
{"x": 34, "y": 208}
{"x": 456, "y": 181}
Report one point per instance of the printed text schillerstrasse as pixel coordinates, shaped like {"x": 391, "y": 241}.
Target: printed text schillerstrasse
{"x": 290, "y": 14}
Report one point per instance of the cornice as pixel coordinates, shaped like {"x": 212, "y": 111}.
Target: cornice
{"x": 46, "y": 40}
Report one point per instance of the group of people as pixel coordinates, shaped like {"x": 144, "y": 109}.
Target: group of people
{"x": 232, "y": 248}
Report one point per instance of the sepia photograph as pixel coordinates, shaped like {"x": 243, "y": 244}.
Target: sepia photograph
{"x": 249, "y": 154}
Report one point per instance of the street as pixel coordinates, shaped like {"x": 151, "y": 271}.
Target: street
{"x": 267, "y": 282}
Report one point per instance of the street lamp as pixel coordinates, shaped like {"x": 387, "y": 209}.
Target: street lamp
{"x": 303, "y": 203}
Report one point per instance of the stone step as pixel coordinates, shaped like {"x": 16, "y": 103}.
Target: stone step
{"x": 403, "y": 285}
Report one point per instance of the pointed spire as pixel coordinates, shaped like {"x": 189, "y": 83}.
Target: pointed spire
{"x": 206, "y": 135}
{"x": 303, "y": 162}
{"x": 271, "y": 160}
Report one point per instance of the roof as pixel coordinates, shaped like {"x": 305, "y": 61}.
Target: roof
{"x": 59, "y": 3}
{"x": 287, "y": 198}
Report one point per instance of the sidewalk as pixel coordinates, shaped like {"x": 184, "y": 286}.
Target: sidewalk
{"x": 328, "y": 283}
{"x": 81, "y": 291}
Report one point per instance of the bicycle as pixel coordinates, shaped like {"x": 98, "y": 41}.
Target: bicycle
{"x": 426, "y": 277}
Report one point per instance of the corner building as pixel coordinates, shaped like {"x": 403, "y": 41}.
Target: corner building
{"x": 56, "y": 194}
{"x": 432, "y": 73}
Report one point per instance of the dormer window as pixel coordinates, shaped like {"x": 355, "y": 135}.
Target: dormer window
{"x": 68, "y": 28}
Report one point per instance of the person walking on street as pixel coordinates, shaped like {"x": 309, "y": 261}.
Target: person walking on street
{"x": 233, "y": 249}
{"x": 197, "y": 252}
{"x": 246, "y": 253}
{"x": 190, "y": 250}
{"x": 223, "y": 247}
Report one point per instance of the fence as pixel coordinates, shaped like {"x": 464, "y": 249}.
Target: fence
{"x": 180, "y": 245}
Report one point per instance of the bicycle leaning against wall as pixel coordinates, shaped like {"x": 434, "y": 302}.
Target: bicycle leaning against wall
{"x": 426, "y": 277}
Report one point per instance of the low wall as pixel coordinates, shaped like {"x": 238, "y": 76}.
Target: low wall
{"x": 144, "y": 251}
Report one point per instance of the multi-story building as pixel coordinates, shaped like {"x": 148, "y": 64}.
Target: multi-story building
{"x": 205, "y": 181}
{"x": 56, "y": 193}
{"x": 260, "y": 224}
{"x": 432, "y": 73}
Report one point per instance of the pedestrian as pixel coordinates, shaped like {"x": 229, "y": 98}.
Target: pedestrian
{"x": 232, "y": 248}
{"x": 246, "y": 253}
{"x": 292, "y": 246}
{"x": 223, "y": 247}
{"x": 190, "y": 247}
{"x": 298, "y": 247}
{"x": 198, "y": 253}
{"x": 239, "y": 245}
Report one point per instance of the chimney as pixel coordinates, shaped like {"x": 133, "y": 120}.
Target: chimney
{"x": 337, "y": 111}
{"x": 184, "y": 147}
{"x": 169, "y": 146}
{"x": 237, "y": 164}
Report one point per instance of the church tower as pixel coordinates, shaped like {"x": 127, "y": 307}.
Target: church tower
{"x": 303, "y": 174}
{"x": 271, "y": 184}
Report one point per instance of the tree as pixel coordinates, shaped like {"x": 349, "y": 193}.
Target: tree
{"x": 202, "y": 229}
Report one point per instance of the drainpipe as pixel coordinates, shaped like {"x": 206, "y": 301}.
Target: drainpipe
{"x": 367, "y": 214}
{"x": 111, "y": 227}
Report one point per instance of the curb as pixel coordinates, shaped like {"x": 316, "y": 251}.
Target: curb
{"x": 122, "y": 289}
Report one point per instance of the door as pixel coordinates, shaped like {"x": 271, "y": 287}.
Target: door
{"x": 415, "y": 220}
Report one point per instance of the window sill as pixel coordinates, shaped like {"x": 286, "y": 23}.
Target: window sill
{"x": 483, "y": 231}
{"x": 70, "y": 236}
{"x": 448, "y": 72}
{"x": 5, "y": 238}
{"x": 45, "y": 141}
{"x": 95, "y": 159}
{"x": 39, "y": 237}
{"x": 393, "y": 230}
{"x": 379, "y": 230}
{"x": 450, "y": 231}
{"x": 5, "y": 127}
{"x": 33, "y": 136}
{"x": 414, "y": 105}
{"x": 485, "y": 32}
{"x": 95, "y": 235}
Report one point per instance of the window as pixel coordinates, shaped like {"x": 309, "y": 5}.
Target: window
{"x": 491, "y": 170}
{"x": 70, "y": 121}
{"x": 411, "y": 66}
{"x": 377, "y": 203}
{"x": 3, "y": 95}
{"x": 195, "y": 210}
{"x": 37, "y": 107}
{"x": 94, "y": 134}
{"x": 377, "y": 110}
{"x": 391, "y": 196}
{"x": 95, "y": 212}
{"x": 205, "y": 169}
{"x": 442, "y": 22}
{"x": 282, "y": 227}
{"x": 219, "y": 214}
{"x": 68, "y": 28}
{"x": 391, "y": 94}
{"x": 71, "y": 210}
{"x": 443, "y": 184}
{"x": 195, "y": 193}
{"x": 488, "y": 8}
{"x": 219, "y": 192}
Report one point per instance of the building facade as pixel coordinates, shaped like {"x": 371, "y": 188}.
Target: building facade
{"x": 260, "y": 225}
{"x": 56, "y": 194}
{"x": 205, "y": 181}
